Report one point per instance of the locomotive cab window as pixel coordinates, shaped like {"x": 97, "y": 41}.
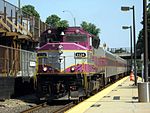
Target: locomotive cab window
{"x": 53, "y": 38}
{"x": 42, "y": 58}
{"x": 76, "y": 38}
{"x": 42, "y": 54}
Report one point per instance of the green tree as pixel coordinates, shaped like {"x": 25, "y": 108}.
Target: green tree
{"x": 91, "y": 28}
{"x": 55, "y": 21}
{"x": 140, "y": 44}
{"x": 140, "y": 41}
{"x": 63, "y": 23}
{"x": 29, "y": 9}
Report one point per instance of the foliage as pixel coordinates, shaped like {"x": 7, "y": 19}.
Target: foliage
{"x": 91, "y": 28}
{"x": 29, "y": 9}
{"x": 63, "y": 23}
{"x": 55, "y": 21}
{"x": 140, "y": 42}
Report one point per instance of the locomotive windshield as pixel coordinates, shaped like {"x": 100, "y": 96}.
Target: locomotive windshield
{"x": 53, "y": 38}
{"x": 76, "y": 38}
{"x": 41, "y": 54}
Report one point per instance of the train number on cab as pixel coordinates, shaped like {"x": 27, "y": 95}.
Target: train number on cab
{"x": 80, "y": 55}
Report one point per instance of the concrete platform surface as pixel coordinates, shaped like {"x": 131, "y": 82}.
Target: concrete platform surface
{"x": 121, "y": 97}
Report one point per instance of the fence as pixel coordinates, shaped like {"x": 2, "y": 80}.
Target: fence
{"x": 15, "y": 62}
{"x": 120, "y": 50}
{"x": 15, "y": 20}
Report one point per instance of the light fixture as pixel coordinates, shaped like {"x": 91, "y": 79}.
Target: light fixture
{"x": 77, "y": 31}
{"x": 44, "y": 68}
{"x": 125, "y": 27}
{"x": 60, "y": 47}
{"x": 125, "y": 8}
{"x": 49, "y": 31}
{"x": 72, "y": 69}
{"x": 62, "y": 33}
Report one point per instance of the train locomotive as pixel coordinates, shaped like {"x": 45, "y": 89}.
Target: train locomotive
{"x": 71, "y": 65}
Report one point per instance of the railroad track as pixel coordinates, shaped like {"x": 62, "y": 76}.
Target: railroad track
{"x": 35, "y": 108}
{"x": 64, "y": 108}
{"x": 44, "y": 106}
{"x": 61, "y": 109}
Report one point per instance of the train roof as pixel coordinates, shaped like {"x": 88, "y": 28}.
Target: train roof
{"x": 69, "y": 29}
{"x": 109, "y": 53}
{"x": 118, "y": 57}
{"x": 84, "y": 31}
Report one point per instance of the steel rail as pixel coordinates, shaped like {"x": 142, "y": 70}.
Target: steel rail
{"x": 35, "y": 108}
{"x": 64, "y": 108}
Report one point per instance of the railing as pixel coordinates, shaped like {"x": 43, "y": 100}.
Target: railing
{"x": 13, "y": 19}
{"x": 125, "y": 50}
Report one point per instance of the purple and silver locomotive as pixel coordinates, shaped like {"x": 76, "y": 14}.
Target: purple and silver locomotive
{"x": 71, "y": 65}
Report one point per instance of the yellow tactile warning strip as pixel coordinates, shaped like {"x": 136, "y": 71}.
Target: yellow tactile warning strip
{"x": 83, "y": 106}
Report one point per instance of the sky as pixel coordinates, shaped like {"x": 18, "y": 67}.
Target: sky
{"x": 105, "y": 14}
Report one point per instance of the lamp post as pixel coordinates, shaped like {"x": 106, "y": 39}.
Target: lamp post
{"x": 124, "y": 8}
{"x": 129, "y": 27}
{"x": 19, "y": 4}
{"x": 74, "y": 20}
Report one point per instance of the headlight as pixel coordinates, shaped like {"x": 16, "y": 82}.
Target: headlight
{"x": 49, "y": 31}
{"x": 60, "y": 47}
{"x": 44, "y": 68}
{"x": 72, "y": 69}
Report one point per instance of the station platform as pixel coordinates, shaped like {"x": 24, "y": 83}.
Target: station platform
{"x": 121, "y": 97}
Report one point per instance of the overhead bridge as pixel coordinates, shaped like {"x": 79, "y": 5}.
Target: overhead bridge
{"x": 124, "y": 52}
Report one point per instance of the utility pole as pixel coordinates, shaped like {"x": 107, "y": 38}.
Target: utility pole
{"x": 134, "y": 40}
{"x": 145, "y": 40}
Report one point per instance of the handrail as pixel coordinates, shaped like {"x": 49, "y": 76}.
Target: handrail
{"x": 4, "y": 25}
